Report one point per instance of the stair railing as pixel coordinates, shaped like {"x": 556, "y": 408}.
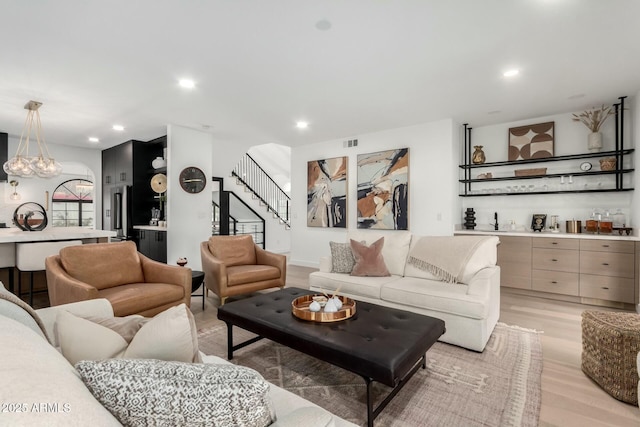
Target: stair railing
{"x": 249, "y": 173}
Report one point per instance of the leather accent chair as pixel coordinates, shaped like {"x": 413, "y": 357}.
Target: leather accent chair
{"x": 133, "y": 283}
{"x": 235, "y": 265}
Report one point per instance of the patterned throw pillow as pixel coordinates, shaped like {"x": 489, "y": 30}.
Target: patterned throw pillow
{"x": 342, "y": 260}
{"x": 147, "y": 392}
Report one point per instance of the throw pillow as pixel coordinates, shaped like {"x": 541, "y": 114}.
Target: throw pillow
{"x": 160, "y": 393}
{"x": 342, "y": 260}
{"x": 369, "y": 260}
{"x": 170, "y": 335}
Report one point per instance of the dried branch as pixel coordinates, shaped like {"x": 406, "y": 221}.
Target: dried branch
{"x": 593, "y": 119}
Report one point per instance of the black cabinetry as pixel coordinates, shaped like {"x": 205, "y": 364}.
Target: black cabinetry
{"x": 153, "y": 244}
{"x": 125, "y": 171}
{"x": 4, "y": 154}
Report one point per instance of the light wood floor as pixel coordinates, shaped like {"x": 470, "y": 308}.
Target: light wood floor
{"x": 569, "y": 397}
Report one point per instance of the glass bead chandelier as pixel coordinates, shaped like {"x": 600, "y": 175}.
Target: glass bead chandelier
{"x": 24, "y": 165}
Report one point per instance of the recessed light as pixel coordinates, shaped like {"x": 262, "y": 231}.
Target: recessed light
{"x": 187, "y": 83}
{"x": 302, "y": 125}
{"x": 323, "y": 25}
{"x": 93, "y": 139}
{"x": 511, "y": 73}
{"x": 118, "y": 127}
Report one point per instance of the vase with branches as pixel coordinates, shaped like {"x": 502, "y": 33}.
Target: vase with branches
{"x": 594, "y": 119}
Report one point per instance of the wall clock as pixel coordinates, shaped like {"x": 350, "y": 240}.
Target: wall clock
{"x": 192, "y": 180}
{"x": 585, "y": 166}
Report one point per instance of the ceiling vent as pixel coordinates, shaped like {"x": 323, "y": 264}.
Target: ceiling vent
{"x": 350, "y": 143}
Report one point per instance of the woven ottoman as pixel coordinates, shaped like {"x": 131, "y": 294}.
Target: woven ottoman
{"x": 610, "y": 346}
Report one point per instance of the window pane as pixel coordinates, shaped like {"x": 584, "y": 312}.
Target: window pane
{"x": 73, "y": 204}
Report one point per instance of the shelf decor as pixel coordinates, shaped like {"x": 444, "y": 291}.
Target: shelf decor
{"x": 594, "y": 119}
{"x": 327, "y": 193}
{"x": 531, "y": 141}
{"x": 383, "y": 190}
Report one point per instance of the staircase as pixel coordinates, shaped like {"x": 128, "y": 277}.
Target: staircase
{"x": 264, "y": 189}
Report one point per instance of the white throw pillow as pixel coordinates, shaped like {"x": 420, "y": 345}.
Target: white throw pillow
{"x": 160, "y": 393}
{"x": 170, "y": 335}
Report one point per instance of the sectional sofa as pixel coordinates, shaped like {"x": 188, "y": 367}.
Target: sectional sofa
{"x": 469, "y": 305}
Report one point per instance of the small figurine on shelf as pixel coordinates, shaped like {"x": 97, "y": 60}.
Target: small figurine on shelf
{"x": 478, "y": 156}
{"x": 182, "y": 261}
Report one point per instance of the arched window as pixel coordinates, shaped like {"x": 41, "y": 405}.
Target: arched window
{"x": 72, "y": 204}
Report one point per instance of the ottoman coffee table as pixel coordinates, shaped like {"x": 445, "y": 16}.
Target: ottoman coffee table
{"x": 379, "y": 343}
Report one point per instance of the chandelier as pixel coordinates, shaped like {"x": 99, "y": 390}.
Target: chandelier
{"x": 22, "y": 164}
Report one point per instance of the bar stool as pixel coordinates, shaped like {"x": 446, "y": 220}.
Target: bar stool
{"x": 30, "y": 257}
{"x": 8, "y": 260}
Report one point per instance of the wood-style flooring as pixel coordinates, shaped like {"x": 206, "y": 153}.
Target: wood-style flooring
{"x": 569, "y": 397}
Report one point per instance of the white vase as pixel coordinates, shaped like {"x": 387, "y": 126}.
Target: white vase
{"x": 158, "y": 162}
{"x": 594, "y": 142}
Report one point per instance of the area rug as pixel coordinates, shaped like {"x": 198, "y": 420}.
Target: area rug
{"x": 498, "y": 387}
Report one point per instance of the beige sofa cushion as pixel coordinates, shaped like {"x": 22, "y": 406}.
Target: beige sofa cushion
{"x": 170, "y": 335}
{"x": 395, "y": 249}
{"x": 36, "y": 373}
{"x": 94, "y": 264}
{"x": 352, "y": 285}
{"x": 485, "y": 255}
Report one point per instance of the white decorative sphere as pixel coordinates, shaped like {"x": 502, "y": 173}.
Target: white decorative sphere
{"x": 314, "y": 306}
{"x": 330, "y": 307}
{"x": 338, "y": 302}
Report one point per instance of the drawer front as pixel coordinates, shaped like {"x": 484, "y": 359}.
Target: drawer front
{"x": 556, "y": 243}
{"x": 557, "y": 282}
{"x": 515, "y": 277}
{"x": 556, "y": 260}
{"x": 607, "y": 246}
{"x": 607, "y": 288}
{"x": 608, "y": 264}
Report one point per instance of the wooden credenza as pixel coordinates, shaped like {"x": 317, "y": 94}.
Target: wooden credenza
{"x": 589, "y": 269}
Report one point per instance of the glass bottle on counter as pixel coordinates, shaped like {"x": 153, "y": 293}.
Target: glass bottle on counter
{"x": 619, "y": 220}
{"x": 592, "y": 222}
{"x": 606, "y": 223}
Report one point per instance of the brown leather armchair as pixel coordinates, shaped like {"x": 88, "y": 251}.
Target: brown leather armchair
{"x": 234, "y": 265}
{"x": 133, "y": 283}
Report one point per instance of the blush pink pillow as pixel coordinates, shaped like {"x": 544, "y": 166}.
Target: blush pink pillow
{"x": 369, "y": 261}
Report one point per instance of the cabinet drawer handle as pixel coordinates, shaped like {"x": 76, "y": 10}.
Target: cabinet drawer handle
{"x": 554, "y": 282}
{"x": 605, "y": 288}
{"x": 605, "y": 263}
{"x": 554, "y": 243}
{"x": 605, "y": 246}
{"x": 554, "y": 260}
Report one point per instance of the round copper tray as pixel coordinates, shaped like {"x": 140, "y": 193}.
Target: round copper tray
{"x": 300, "y": 309}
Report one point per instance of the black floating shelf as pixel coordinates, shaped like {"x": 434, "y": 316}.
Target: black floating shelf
{"x": 529, "y": 193}
{"x": 550, "y": 159}
{"x": 553, "y": 175}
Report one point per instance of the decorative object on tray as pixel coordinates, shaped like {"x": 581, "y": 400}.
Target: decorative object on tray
{"x": 182, "y": 261}
{"x": 594, "y": 119}
{"x": 469, "y": 219}
{"x": 538, "y": 222}
{"x": 530, "y": 172}
{"x": 531, "y": 141}
{"x": 336, "y": 308}
{"x": 327, "y": 192}
{"x": 383, "y": 190}
{"x": 608, "y": 164}
{"x": 478, "y": 156}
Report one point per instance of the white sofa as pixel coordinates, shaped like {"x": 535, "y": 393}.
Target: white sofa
{"x": 41, "y": 388}
{"x": 470, "y": 307}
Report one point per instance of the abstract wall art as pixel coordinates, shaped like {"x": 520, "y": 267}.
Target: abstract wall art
{"x": 531, "y": 141}
{"x": 327, "y": 193}
{"x": 383, "y": 190}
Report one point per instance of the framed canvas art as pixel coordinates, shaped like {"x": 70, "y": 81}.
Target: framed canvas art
{"x": 327, "y": 193}
{"x": 531, "y": 141}
{"x": 383, "y": 190}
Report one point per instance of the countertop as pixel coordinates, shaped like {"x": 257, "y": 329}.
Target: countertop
{"x": 547, "y": 234}
{"x": 149, "y": 227}
{"x": 14, "y": 234}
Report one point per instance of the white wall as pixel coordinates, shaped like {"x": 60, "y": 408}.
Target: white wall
{"x": 33, "y": 189}
{"x": 634, "y": 106}
{"x": 570, "y": 138}
{"x": 433, "y": 204}
{"x": 188, "y": 215}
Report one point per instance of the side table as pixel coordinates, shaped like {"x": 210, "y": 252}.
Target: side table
{"x": 197, "y": 277}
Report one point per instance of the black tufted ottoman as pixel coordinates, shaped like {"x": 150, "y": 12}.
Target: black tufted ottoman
{"x": 379, "y": 343}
